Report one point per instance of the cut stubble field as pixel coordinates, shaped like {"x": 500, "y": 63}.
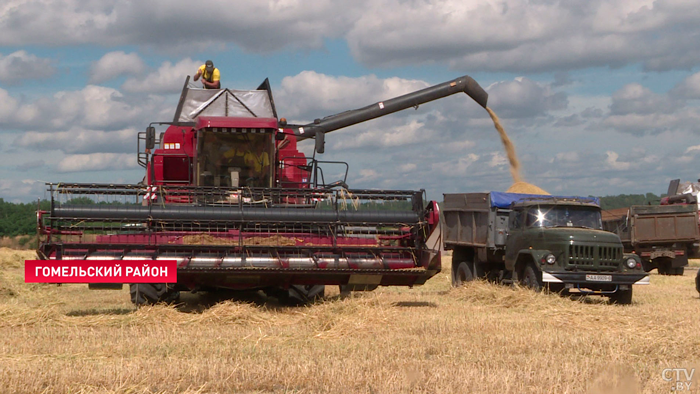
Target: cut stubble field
{"x": 431, "y": 339}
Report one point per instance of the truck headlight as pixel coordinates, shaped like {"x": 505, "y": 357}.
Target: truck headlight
{"x": 631, "y": 263}
{"x": 550, "y": 259}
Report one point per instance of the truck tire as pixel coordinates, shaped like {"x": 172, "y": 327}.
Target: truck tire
{"x": 532, "y": 278}
{"x": 697, "y": 281}
{"x": 666, "y": 267}
{"x": 462, "y": 275}
{"x": 678, "y": 271}
{"x": 152, "y": 293}
{"x": 622, "y": 297}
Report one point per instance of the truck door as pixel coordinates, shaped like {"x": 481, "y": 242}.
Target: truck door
{"x": 514, "y": 238}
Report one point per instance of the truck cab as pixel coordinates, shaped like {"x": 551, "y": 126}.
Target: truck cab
{"x": 561, "y": 243}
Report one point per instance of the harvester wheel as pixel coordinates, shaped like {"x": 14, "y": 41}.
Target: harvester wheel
{"x": 532, "y": 278}
{"x": 622, "y": 297}
{"x": 305, "y": 294}
{"x": 462, "y": 274}
{"x": 152, "y": 293}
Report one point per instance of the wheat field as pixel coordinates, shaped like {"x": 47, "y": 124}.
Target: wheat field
{"x": 430, "y": 339}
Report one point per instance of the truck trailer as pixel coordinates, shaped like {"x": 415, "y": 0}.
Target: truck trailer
{"x": 538, "y": 241}
{"x": 663, "y": 236}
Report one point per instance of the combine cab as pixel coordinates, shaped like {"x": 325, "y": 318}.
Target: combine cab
{"x": 228, "y": 195}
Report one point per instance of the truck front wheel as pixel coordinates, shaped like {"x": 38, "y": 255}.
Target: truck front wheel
{"x": 622, "y": 297}
{"x": 532, "y": 278}
{"x": 462, "y": 275}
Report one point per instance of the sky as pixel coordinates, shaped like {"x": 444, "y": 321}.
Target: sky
{"x": 600, "y": 97}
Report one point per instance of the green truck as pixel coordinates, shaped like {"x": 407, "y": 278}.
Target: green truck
{"x": 553, "y": 242}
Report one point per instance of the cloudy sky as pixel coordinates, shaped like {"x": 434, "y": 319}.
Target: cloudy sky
{"x": 599, "y": 97}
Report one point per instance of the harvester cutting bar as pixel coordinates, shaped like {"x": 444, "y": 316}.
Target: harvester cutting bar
{"x": 231, "y": 214}
{"x": 231, "y": 229}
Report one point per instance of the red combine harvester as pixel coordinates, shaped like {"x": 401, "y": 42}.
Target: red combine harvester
{"x": 228, "y": 195}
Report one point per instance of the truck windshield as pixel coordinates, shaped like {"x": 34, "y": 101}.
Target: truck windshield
{"x": 564, "y": 216}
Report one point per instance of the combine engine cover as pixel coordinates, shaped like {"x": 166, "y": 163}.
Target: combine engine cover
{"x": 249, "y": 238}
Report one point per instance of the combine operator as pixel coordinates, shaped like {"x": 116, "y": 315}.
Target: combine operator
{"x": 210, "y": 75}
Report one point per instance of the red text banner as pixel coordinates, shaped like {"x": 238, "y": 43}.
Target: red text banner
{"x": 100, "y": 271}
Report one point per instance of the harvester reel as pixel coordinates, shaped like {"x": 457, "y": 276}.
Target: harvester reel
{"x": 152, "y": 293}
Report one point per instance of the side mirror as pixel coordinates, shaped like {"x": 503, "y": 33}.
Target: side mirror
{"x": 150, "y": 137}
{"x": 320, "y": 142}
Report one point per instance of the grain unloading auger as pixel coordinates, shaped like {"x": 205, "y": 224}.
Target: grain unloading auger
{"x": 228, "y": 195}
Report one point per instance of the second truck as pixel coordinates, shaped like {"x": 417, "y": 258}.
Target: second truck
{"x": 540, "y": 242}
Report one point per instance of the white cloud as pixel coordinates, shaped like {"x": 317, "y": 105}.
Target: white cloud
{"x": 9, "y": 105}
{"x": 523, "y": 97}
{"x": 497, "y": 159}
{"x": 613, "y": 163}
{"x": 260, "y": 26}
{"x": 689, "y": 88}
{"x": 20, "y": 65}
{"x": 311, "y": 94}
{"x": 79, "y": 141}
{"x": 30, "y": 165}
{"x": 571, "y": 157}
{"x": 458, "y": 167}
{"x": 408, "y": 167}
{"x": 692, "y": 148}
{"x": 169, "y": 78}
{"x": 402, "y": 134}
{"x": 17, "y": 190}
{"x": 93, "y": 107}
{"x": 456, "y": 146}
{"x": 638, "y": 110}
{"x": 114, "y": 64}
{"x": 484, "y": 35}
{"x": 520, "y": 36}
{"x": 367, "y": 175}
{"x": 97, "y": 162}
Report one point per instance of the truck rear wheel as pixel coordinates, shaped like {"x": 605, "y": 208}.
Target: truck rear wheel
{"x": 152, "y": 293}
{"x": 622, "y": 297}
{"x": 462, "y": 274}
{"x": 532, "y": 278}
{"x": 666, "y": 268}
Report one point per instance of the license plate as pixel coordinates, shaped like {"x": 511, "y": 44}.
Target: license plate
{"x": 599, "y": 278}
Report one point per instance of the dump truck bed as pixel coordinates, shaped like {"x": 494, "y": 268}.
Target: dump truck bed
{"x": 657, "y": 224}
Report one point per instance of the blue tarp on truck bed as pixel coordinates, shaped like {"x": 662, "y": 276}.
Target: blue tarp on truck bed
{"x": 503, "y": 200}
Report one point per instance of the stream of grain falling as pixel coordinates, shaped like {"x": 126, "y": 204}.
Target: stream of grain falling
{"x": 508, "y": 145}
{"x": 519, "y": 186}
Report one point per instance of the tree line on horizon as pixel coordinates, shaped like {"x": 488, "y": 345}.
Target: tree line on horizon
{"x": 17, "y": 219}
